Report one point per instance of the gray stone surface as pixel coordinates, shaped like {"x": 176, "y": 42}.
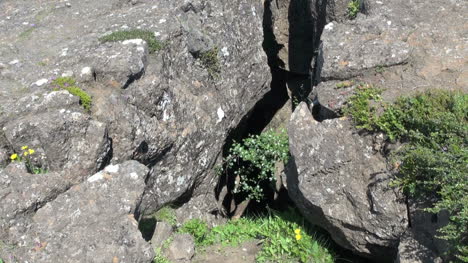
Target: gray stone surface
{"x": 161, "y": 234}
{"x": 295, "y": 28}
{"x": 22, "y": 193}
{"x": 339, "y": 183}
{"x": 412, "y": 251}
{"x": 92, "y": 222}
{"x": 173, "y": 115}
{"x": 182, "y": 247}
{"x": 401, "y": 46}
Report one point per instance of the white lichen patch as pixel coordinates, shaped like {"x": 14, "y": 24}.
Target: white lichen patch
{"x": 97, "y": 177}
{"x": 112, "y": 169}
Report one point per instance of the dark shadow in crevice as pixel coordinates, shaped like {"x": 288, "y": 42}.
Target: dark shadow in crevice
{"x": 132, "y": 79}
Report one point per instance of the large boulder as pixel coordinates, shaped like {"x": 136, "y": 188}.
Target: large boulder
{"x": 341, "y": 184}
{"x": 171, "y": 110}
{"x": 23, "y": 193}
{"x": 92, "y": 222}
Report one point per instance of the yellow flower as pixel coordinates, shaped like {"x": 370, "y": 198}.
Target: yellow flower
{"x": 31, "y": 151}
{"x": 24, "y": 147}
{"x": 297, "y": 231}
{"x": 25, "y": 153}
{"x": 14, "y": 156}
{"x": 298, "y": 237}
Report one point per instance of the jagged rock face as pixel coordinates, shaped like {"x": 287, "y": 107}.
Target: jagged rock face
{"x": 92, "y": 222}
{"x": 22, "y": 193}
{"x": 295, "y": 27}
{"x": 171, "y": 110}
{"x": 338, "y": 182}
{"x": 57, "y": 128}
{"x": 401, "y": 46}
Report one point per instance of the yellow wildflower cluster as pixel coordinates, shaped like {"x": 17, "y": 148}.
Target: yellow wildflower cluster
{"x": 298, "y": 234}
{"x": 26, "y": 151}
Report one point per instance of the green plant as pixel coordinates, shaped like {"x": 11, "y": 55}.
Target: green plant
{"x": 353, "y": 8}
{"x": 159, "y": 258}
{"x": 154, "y": 45}
{"x": 210, "y": 61}
{"x": 69, "y": 84}
{"x": 253, "y": 162}
{"x": 285, "y": 237}
{"x": 197, "y": 228}
{"x": 166, "y": 214}
{"x": 345, "y": 84}
{"x": 25, "y": 157}
{"x": 434, "y": 127}
{"x": 360, "y": 106}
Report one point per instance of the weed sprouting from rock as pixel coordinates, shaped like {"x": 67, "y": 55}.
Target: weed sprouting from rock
{"x": 69, "y": 84}
{"x": 353, "y": 8}
{"x": 210, "y": 61}
{"x": 25, "y": 156}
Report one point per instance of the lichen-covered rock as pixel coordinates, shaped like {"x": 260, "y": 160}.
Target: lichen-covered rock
{"x": 22, "y": 193}
{"x": 339, "y": 183}
{"x": 62, "y": 134}
{"x": 92, "y": 222}
{"x": 119, "y": 63}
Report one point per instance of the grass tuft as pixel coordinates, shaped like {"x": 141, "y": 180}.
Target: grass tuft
{"x": 154, "y": 45}
{"x": 284, "y": 234}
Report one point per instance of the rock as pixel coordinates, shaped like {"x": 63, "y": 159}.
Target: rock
{"x": 339, "y": 183}
{"x": 92, "y": 222}
{"x": 293, "y": 31}
{"x": 120, "y": 63}
{"x": 162, "y": 232}
{"x": 182, "y": 247}
{"x": 365, "y": 49}
{"x": 63, "y": 136}
{"x": 411, "y": 251}
{"x": 425, "y": 226}
{"x": 22, "y": 193}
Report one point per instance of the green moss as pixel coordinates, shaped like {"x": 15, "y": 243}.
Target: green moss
{"x": 433, "y": 162}
{"x": 154, "y": 45}
{"x": 210, "y": 61}
{"x": 69, "y": 84}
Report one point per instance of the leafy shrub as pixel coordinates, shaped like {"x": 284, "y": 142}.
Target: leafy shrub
{"x": 254, "y": 161}
{"x": 69, "y": 84}
{"x": 353, "y": 8}
{"x": 285, "y": 236}
{"x": 434, "y": 127}
{"x": 154, "y": 45}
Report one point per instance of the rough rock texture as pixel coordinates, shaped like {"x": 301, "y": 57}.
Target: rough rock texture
{"x": 338, "y": 182}
{"x": 294, "y": 29}
{"x": 412, "y": 251}
{"x": 92, "y": 222}
{"x": 182, "y": 248}
{"x": 401, "y": 46}
{"x": 57, "y": 128}
{"x": 22, "y": 193}
{"x": 175, "y": 110}
{"x": 161, "y": 233}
